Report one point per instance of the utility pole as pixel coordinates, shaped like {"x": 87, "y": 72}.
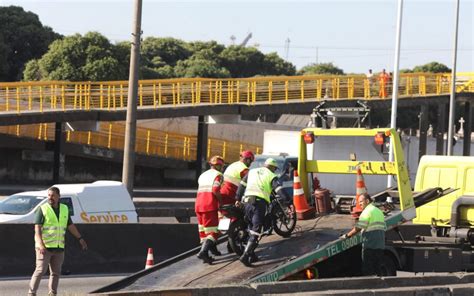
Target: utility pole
{"x": 128, "y": 171}
{"x": 287, "y": 48}
{"x": 396, "y": 76}
{"x": 452, "y": 98}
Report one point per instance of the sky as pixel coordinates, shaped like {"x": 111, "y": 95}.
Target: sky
{"x": 353, "y": 35}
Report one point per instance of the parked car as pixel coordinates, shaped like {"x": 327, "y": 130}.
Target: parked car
{"x": 98, "y": 202}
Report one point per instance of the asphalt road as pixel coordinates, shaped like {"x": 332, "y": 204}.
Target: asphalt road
{"x": 68, "y": 285}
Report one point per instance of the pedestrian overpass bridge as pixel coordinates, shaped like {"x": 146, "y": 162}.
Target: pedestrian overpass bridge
{"x": 26, "y": 108}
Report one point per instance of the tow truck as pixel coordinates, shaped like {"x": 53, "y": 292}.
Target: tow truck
{"x": 315, "y": 250}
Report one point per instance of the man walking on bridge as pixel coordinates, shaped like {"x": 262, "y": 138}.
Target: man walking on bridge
{"x": 258, "y": 186}
{"x": 207, "y": 206}
{"x": 52, "y": 220}
{"x": 372, "y": 224}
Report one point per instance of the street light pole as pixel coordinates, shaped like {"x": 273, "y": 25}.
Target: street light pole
{"x": 396, "y": 76}
{"x": 452, "y": 97}
{"x": 131, "y": 123}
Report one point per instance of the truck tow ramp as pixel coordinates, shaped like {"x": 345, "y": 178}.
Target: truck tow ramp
{"x": 187, "y": 270}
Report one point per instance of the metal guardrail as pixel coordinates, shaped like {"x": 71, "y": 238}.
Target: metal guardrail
{"x": 148, "y": 141}
{"x": 111, "y": 95}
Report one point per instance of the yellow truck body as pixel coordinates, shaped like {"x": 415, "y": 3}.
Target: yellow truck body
{"x": 445, "y": 171}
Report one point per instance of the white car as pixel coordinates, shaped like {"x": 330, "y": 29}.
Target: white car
{"x": 98, "y": 202}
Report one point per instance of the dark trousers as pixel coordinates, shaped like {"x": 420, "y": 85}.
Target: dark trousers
{"x": 255, "y": 215}
{"x": 371, "y": 261}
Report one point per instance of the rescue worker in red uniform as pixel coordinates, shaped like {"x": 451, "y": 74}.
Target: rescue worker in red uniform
{"x": 232, "y": 176}
{"x": 207, "y": 206}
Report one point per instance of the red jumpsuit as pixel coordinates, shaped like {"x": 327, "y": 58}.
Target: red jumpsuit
{"x": 207, "y": 205}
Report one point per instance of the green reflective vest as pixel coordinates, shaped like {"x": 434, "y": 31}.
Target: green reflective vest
{"x": 54, "y": 230}
{"x": 259, "y": 183}
{"x": 372, "y": 222}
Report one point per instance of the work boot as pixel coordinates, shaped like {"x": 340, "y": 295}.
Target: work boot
{"x": 204, "y": 253}
{"x": 214, "y": 250}
{"x": 246, "y": 257}
{"x": 253, "y": 257}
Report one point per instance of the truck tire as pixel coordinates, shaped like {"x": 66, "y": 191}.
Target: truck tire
{"x": 388, "y": 266}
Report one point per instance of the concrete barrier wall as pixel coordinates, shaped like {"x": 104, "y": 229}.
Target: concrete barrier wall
{"x": 112, "y": 247}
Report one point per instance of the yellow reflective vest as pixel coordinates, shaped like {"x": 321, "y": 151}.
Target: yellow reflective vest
{"x": 54, "y": 229}
{"x": 259, "y": 183}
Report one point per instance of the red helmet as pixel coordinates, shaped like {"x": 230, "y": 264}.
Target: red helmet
{"x": 247, "y": 154}
{"x": 216, "y": 160}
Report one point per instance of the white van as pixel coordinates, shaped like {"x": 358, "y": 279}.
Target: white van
{"x": 98, "y": 202}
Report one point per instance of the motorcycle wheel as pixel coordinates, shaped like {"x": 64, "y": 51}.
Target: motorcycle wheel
{"x": 238, "y": 236}
{"x": 284, "y": 220}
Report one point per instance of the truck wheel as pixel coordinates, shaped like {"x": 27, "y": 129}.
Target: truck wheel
{"x": 388, "y": 266}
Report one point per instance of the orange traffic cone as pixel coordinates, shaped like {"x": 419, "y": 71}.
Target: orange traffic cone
{"x": 149, "y": 259}
{"x": 303, "y": 210}
{"x": 360, "y": 189}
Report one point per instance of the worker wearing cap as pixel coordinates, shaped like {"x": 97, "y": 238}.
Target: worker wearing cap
{"x": 372, "y": 225}
{"x": 256, "y": 189}
{"x": 233, "y": 175}
{"x": 207, "y": 205}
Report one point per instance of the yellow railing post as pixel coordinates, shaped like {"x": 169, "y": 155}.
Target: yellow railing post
{"x": 18, "y": 100}
{"x": 237, "y": 95}
{"x": 108, "y": 97}
{"x": 80, "y": 96}
{"x": 114, "y": 98}
{"x": 40, "y": 130}
{"x": 248, "y": 93}
{"x": 121, "y": 96}
{"x": 270, "y": 90}
{"x": 68, "y": 136}
{"x": 63, "y": 98}
{"x": 154, "y": 95}
{"x": 224, "y": 149}
{"x": 30, "y": 98}
{"x": 166, "y": 144}
{"x": 7, "y": 103}
{"x": 89, "y": 134}
{"x": 286, "y": 90}
{"x": 148, "y": 132}
{"x": 141, "y": 95}
{"x": 302, "y": 90}
{"x": 174, "y": 93}
{"x": 109, "y": 140}
{"x": 101, "y": 97}
{"x": 41, "y": 99}
{"x": 75, "y": 96}
{"x": 17, "y": 130}
{"x": 208, "y": 148}
{"x": 45, "y": 132}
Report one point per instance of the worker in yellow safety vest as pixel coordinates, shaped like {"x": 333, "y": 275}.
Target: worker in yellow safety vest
{"x": 254, "y": 192}
{"x": 52, "y": 220}
{"x": 372, "y": 225}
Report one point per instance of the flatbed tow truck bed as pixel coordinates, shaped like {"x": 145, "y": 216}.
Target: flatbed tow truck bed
{"x": 273, "y": 251}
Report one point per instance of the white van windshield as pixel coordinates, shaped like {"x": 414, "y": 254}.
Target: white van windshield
{"x": 19, "y": 204}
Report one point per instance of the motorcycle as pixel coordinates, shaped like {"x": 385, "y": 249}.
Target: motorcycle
{"x": 280, "y": 217}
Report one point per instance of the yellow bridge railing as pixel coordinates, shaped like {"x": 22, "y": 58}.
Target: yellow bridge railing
{"x": 111, "y": 95}
{"x": 148, "y": 141}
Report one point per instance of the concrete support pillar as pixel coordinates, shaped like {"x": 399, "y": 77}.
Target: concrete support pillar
{"x": 58, "y": 165}
{"x": 201, "y": 151}
{"x": 423, "y": 127}
{"x": 466, "y": 150}
{"x": 441, "y": 128}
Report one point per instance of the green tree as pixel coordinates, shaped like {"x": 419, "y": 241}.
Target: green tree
{"x": 273, "y": 64}
{"x": 321, "y": 68}
{"x": 22, "y": 38}
{"x": 204, "y": 63}
{"x": 242, "y": 61}
{"x": 433, "y": 67}
{"x": 79, "y": 58}
{"x": 169, "y": 50}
